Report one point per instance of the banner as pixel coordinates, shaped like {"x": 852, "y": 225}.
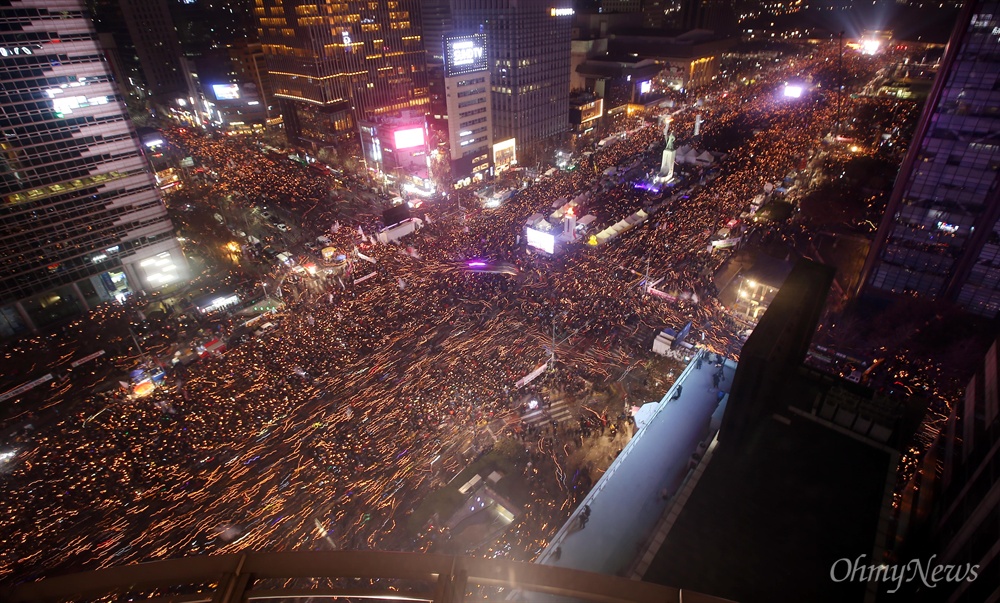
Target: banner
{"x": 531, "y": 376}
{"x": 87, "y": 358}
{"x": 17, "y": 391}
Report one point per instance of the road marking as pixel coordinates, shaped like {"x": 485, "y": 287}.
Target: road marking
{"x": 559, "y": 412}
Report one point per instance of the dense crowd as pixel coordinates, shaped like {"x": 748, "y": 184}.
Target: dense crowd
{"x": 324, "y": 432}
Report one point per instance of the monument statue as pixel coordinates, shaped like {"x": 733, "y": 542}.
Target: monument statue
{"x": 666, "y": 173}
{"x": 667, "y": 134}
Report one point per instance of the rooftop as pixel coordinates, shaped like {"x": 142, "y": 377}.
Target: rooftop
{"x": 767, "y": 521}
{"x": 627, "y": 502}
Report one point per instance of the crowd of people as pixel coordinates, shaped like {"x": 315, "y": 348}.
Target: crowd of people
{"x": 324, "y": 431}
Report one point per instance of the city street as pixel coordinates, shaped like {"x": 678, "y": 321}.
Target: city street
{"x": 324, "y": 431}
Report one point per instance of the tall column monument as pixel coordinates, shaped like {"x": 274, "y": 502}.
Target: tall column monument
{"x": 669, "y": 154}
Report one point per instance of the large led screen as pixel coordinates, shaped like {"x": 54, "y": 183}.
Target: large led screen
{"x": 226, "y": 91}
{"x": 541, "y": 240}
{"x": 464, "y": 54}
{"x": 407, "y": 139}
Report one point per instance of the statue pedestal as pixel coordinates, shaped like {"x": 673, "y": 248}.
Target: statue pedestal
{"x": 666, "y": 167}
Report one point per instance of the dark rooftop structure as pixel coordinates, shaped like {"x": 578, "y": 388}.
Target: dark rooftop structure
{"x": 777, "y": 345}
{"x": 803, "y": 473}
{"x": 767, "y": 521}
{"x": 619, "y": 66}
{"x": 654, "y": 43}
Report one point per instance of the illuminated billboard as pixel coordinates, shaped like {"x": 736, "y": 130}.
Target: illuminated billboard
{"x": 541, "y": 240}
{"x": 464, "y": 54}
{"x": 409, "y": 138}
{"x": 504, "y": 155}
{"x": 645, "y": 87}
{"x": 226, "y": 91}
{"x": 592, "y": 110}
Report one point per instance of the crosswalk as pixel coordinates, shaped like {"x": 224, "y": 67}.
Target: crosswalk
{"x": 559, "y": 412}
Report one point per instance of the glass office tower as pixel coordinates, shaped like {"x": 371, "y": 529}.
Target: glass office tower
{"x": 940, "y": 236}
{"x": 528, "y": 45}
{"x": 81, "y": 219}
{"x": 335, "y": 63}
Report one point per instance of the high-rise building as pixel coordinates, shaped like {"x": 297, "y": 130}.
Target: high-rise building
{"x": 470, "y": 115}
{"x": 335, "y": 63}
{"x": 528, "y": 48}
{"x": 789, "y": 457}
{"x": 940, "y": 235}
{"x": 155, "y": 40}
{"x": 960, "y": 482}
{"x": 436, "y": 25}
{"x": 967, "y": 519}
{"x": 81, "y": 219}
{"x": 109, "y": 21}
{"x": 248, "y": 66}
{"x": 206, "y": 25}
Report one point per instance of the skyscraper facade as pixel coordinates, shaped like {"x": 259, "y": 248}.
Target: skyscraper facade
{"x": 436, "y": 25}
{"x": 334, "y": 63}
{"x": 963, "y": 525}
{"x": 109, "y": 20}
{"x": 940, "y": 235}
{"x": 467, "y": 90}
{"x": 81, "y": 219}
{"x": 164, "y": 67}
{"x": 528, "y": 48}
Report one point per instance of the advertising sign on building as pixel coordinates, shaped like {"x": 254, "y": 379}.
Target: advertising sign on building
{"x": 408, "y": 138}
{"x": 592, "y": 110}
{"x": 504, "y": 155}
{"x": 226, "y": 91}
{"x": 464, "y": 54}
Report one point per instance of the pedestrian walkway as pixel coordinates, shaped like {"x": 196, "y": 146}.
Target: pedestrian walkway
{"x": 559, "y": 412}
